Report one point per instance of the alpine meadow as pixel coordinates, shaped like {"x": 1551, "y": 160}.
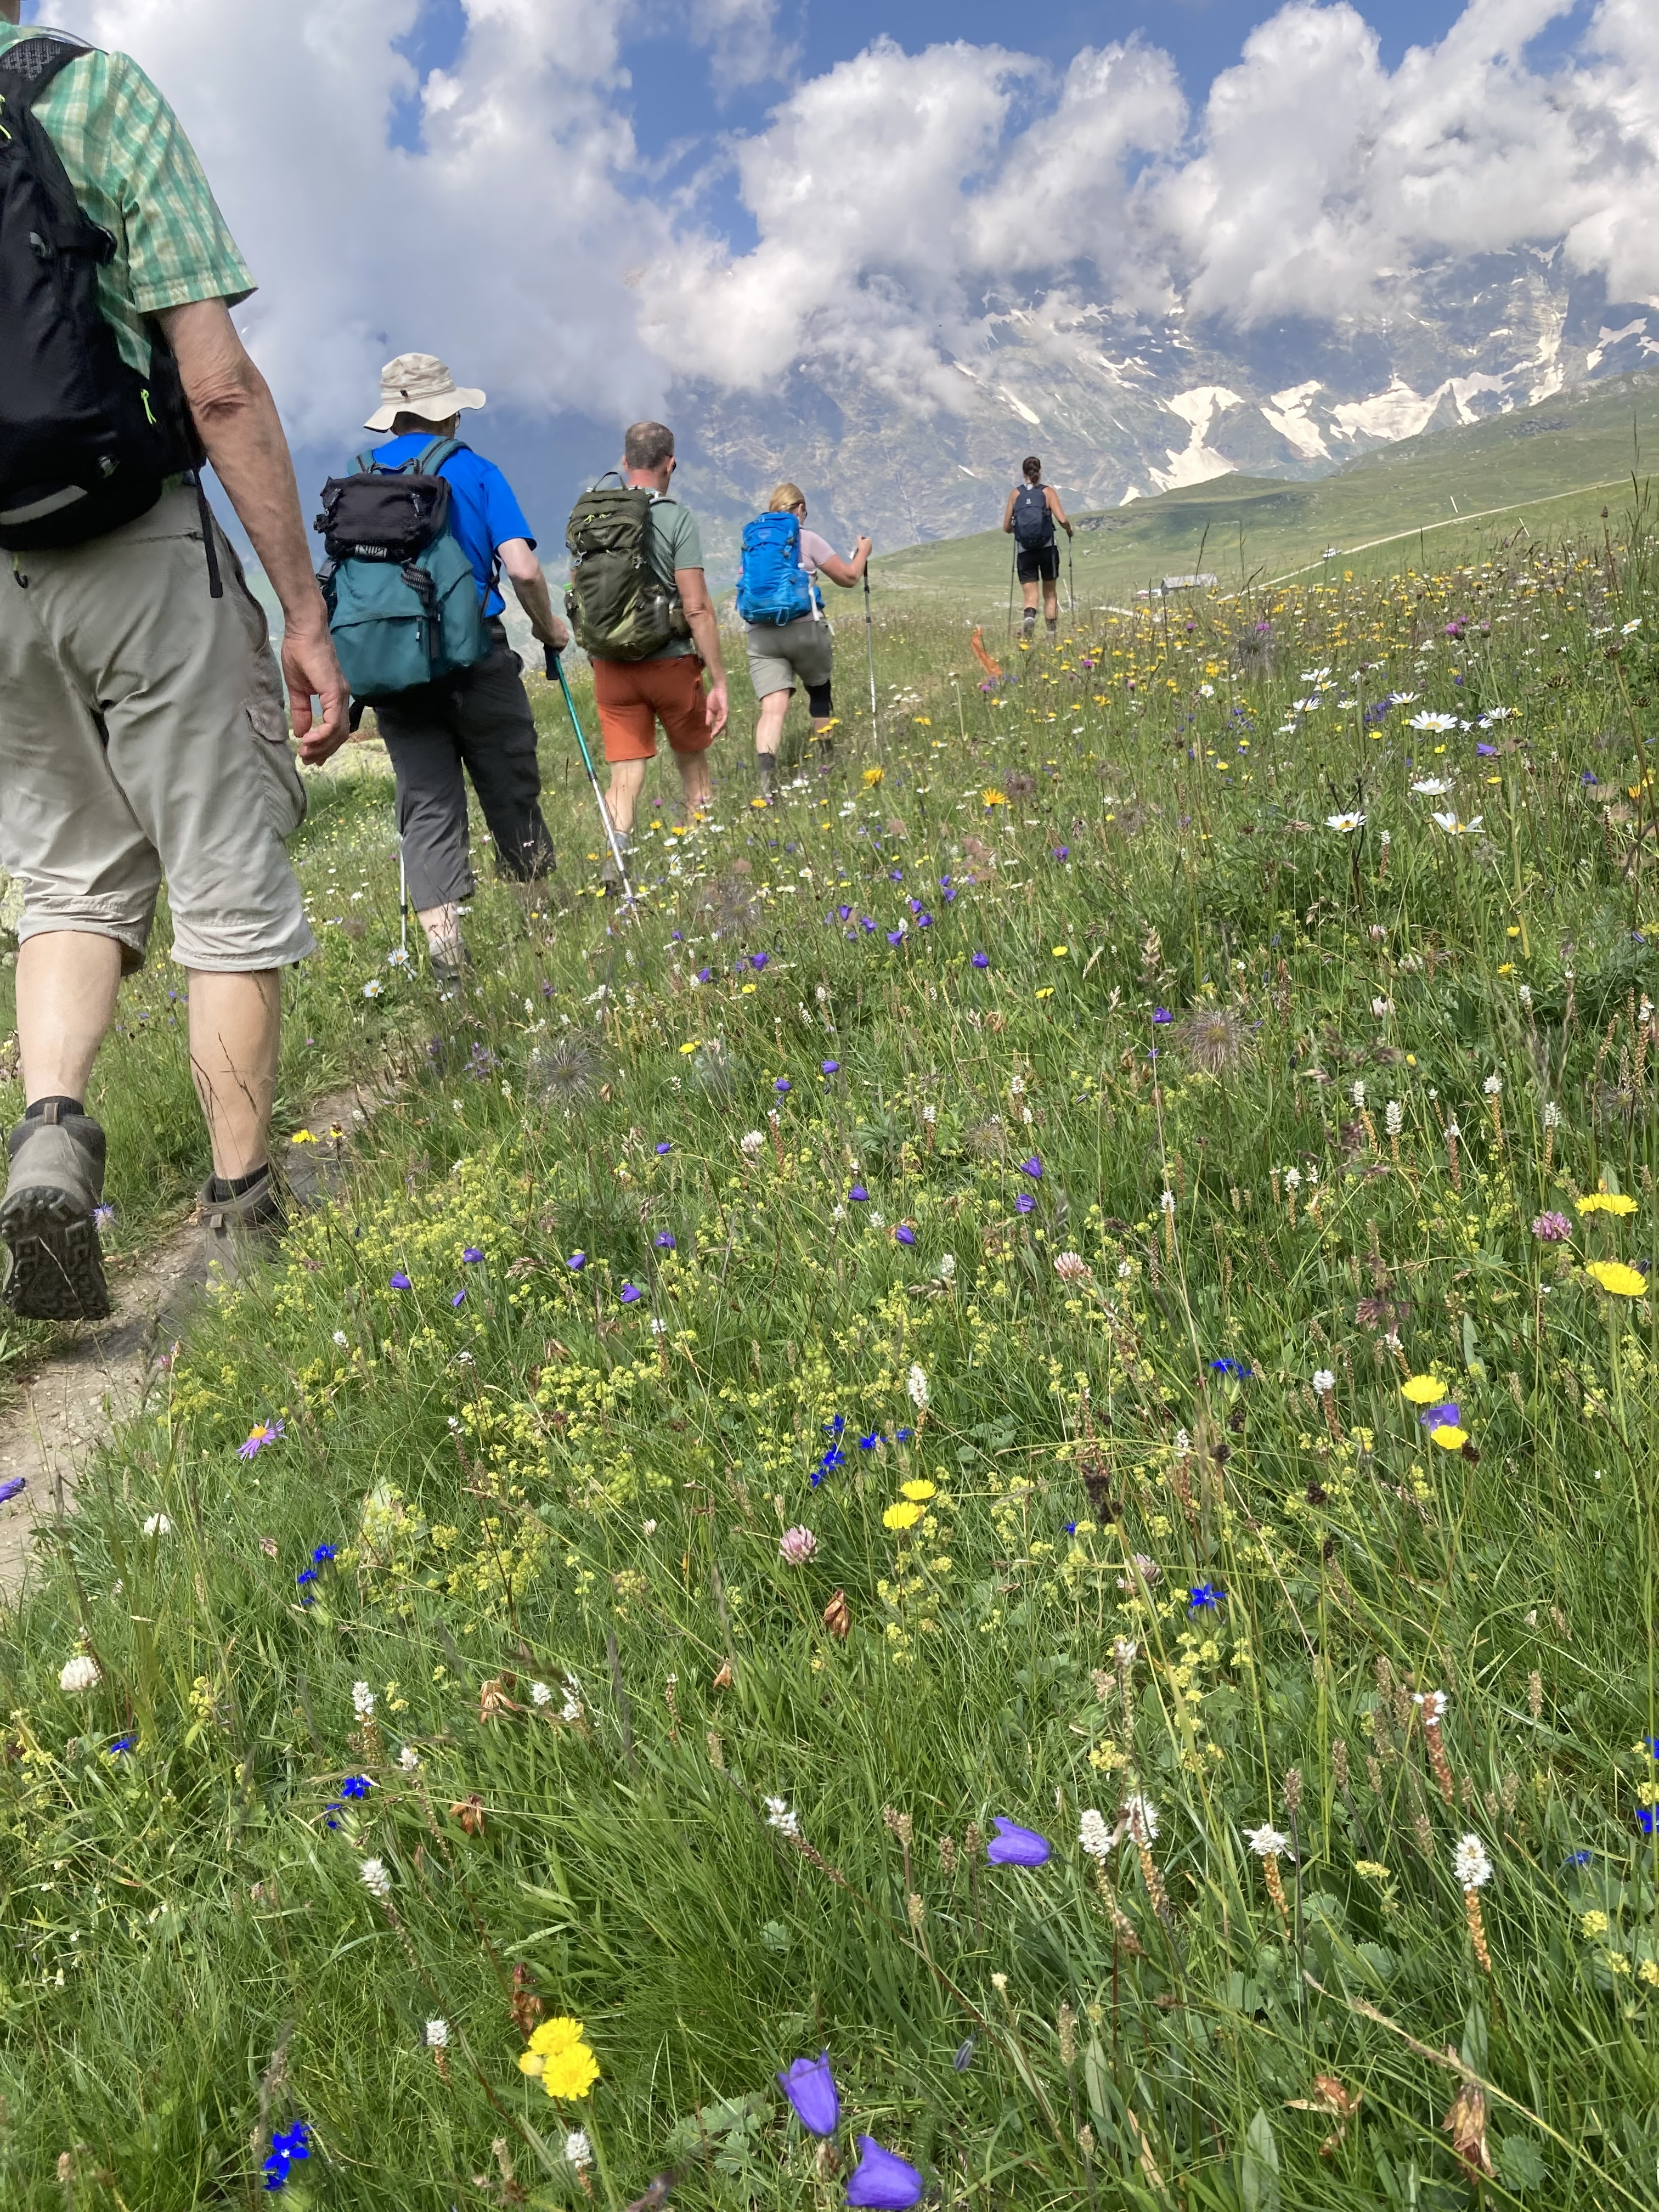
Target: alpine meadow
{"x": 1007, "y": 1434}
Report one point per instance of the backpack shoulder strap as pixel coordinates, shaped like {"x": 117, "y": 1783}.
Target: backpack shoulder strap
{"x": 364, "y": 464}
{"x": 28, "y": 66}
{"x": 427, "y": 463}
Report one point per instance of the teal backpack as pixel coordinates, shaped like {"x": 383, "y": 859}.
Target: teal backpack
{"x": 403, "y": 603}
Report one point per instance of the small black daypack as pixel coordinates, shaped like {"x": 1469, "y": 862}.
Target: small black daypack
{"x": 1034, "y": 522}
{"x": 86, "y": 442}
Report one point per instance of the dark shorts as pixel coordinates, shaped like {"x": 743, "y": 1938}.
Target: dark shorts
{"x": 1038, "y": 564}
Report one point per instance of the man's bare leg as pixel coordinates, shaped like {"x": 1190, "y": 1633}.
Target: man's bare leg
{"x": 695, "y": 781}
{"x": 235, "y": 1027}
{"x": 623, "y": 793}
{"x": 67, "y": 980}
{"x": 768, "y": 739}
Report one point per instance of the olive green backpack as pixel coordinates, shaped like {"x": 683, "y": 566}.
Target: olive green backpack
{"x": 619, "y": 607}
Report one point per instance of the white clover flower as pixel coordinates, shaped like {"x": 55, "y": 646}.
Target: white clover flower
{"x": 578, "y": 2151}
{"x": 341, "y": 1338}
{"x": 78, "y": 1674}
{"x": 158, "y": 1525}
{"x": 1471, "y": 1864}
{"x": 409, "y": 1760}
{"x": 1141, "y": 1815}
{"x": 540, "y": 1694}
{"x": 1359, "y": 1095}
{"x": 437, "y": 2035}
{"x": 1393, "y": 1117}
{"x": 1493, "y": 1085}
{"x": 375, "y": 1879}
{"x": 573, "y": 1699}
{"x": 1094, "y": 1835}
{"x": 1267, "y": 1843}
{"x": 916, "y": 1387}
{"x": 1323, "y": 1382}
{"x": 1125, "y": 1650}
{"x": 752, "y": 1141}
{"x": 363, "y": 1701}
{"x": 780, "y": 1815}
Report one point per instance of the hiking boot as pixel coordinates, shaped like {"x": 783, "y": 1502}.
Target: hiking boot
{"x": 826, "y": 752}
{"x": 766, "y": 765}
{"x": 242, "y": 1231}
{"x": 46, "y": 1224}
{"x": 448, "y": 958}
{"x": 610, "y": 875}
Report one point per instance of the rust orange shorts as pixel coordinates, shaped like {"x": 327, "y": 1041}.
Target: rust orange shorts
{"x": 634, "y": 696}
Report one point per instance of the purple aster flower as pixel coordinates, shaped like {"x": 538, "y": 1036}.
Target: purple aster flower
{"x": 472, "y": 1256}
{"x": 631, "y": 1294}
{"x": 13, "y": 1487}
{"x": 576, "y": 1263}
{"x": 982, "y": 960}
{"x": 266, "y": 1433}
{"x": 664, "y": 1240}
{"x": 882, "y": 2179}
{"x": 1552, "y": 1228}
{"x": 831, "y": 1066}
{"x": 1033, "y": 1167}
{"x": 810, "y": 2088}
{"x": 401, "y": 1282}
{"x": 905, "y": 1234}
{"x": 1013, "y": 1846}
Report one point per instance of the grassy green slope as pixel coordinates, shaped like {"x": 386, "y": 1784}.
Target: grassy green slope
{"x": 1549, "y": 469}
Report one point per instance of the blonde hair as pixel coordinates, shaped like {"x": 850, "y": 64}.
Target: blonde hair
{"x": 785, "y": 497}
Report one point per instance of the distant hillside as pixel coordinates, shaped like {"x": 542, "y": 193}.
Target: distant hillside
{"x": 1548, "y": 470}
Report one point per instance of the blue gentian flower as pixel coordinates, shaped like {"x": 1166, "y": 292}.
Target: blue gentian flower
{"x": 1239, "y": 1370}
{"x": 1071, "y": 1527}
{"x": 882, "y": 2179}
{"x": 903, "y": 1436}
{"x": 1013, "y": 1846}
{"x": 810, "y": 2088}
{"x": 285, "y": 2150}
{"x": 122, "y": 1745}
{"x": 355, "y": 1785}
{"x": 1646, "y": 1816}
{"x": 322, "y": 1556}
{"x": 1576, "y": 1859}
{"x": 836, "y": 1426}
{"x": 1202, "y": 1595}
{"x": 869, "y": 1443}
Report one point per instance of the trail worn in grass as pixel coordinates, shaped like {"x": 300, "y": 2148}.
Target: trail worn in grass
{"x": 1013, "y": 1437}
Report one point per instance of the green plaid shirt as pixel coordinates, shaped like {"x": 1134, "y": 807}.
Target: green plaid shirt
{"x": 136, "y": 175}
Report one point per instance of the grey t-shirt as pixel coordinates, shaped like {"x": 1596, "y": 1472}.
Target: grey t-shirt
{"x": 674, "y": 541}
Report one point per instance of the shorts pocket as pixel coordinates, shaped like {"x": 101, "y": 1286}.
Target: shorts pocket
{"x": 283, "y": 791}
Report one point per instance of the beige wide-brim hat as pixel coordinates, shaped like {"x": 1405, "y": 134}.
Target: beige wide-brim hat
{"x": 419, "y": 384}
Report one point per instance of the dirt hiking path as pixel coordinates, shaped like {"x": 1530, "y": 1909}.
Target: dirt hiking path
{"x": 95, "y": 1377}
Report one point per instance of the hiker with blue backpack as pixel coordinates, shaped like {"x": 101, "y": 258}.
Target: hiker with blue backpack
{"x": 418, "y": 537}
{"x": 1029, "y": 517}
{"x": 787, "y": 635}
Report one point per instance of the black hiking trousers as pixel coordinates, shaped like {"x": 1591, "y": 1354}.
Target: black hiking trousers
{"x": 478, "y": 721}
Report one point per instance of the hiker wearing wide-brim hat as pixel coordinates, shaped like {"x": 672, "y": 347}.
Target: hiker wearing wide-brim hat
{"x": 458, "y": 708}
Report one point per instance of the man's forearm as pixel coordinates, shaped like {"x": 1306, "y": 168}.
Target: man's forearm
{"x": 538, "y": 603}
{"x": 706, "y": 636}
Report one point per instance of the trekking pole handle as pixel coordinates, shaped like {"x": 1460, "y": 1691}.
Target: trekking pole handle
{"x": 551, "y": 662}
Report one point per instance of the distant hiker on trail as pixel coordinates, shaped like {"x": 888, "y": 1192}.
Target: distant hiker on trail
{"x": 638, "y": 603}
{"x": 458, "y": 702}
{"x": 789, "y": 639}
{"x": 141, "y": 725}
{"x": 1029, "y": 517}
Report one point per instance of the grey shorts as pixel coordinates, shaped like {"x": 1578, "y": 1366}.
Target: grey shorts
{"x": 800, "y": 652}
{"x": 143, "y": 735}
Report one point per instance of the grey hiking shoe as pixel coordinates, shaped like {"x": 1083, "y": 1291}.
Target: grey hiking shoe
{"x": 240, "y": 1231}
{"x": 766, "y": 767}
{"x": 53, "y": 1190}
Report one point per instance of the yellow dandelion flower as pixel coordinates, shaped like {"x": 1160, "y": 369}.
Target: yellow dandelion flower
{"x": 921, "y": 1491}
{"x": 1606, "y": 1201}
{"x": 923, "y": 722}
{"x": 560, "y": 2060}
{"x": 874, "y": 775}
{"x": 302, "y": 1137}
{"x": 1448, "y": 1437}
{"x": 905, "y": 1514}
{"x": 1046, "y": 991}
{"x": 994, "y": 798}
{"x": 1060, "y": 951}
{"x": 690, "y": 1047}
{"x": 1423, "y": 1389}
{"x": 1617, "y": 1279}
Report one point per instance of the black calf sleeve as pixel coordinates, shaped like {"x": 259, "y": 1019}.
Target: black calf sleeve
{"x": 819, "y": 704}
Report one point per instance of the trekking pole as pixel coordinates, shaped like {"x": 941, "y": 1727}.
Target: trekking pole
{"x": 556, "y": 670}
{"x": 1013, "y": 565}
{"x": 870, "y": 642}
{"x": 402, "y": 902}
{"x": 1071, "y": 586}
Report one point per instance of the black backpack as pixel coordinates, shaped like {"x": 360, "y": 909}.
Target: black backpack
{"x": 1034, "y": 525}
{"x": 86, "y": 442}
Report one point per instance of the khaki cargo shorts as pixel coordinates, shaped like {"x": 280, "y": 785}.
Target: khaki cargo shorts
{"x": 143, "y": 735}
{"x": 801, "y": 651}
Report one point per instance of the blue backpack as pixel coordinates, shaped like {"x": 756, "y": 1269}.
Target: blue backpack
{"x": 404, "y": 603}
{"x": 773, "y": 588}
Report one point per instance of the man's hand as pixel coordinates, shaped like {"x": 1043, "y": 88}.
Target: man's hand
{"x": 556, "y": 639}
{"x": 715, "y": 708}
{"x": 310, "y": 669}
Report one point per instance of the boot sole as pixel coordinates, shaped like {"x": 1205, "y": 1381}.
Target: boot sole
{"x": 57, "y": 1271}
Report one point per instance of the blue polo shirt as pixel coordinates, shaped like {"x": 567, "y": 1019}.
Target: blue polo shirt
{"x": 482, "y": 509}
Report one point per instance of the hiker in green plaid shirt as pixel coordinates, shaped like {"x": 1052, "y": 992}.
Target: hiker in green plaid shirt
{"x": 142, "y": 732}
